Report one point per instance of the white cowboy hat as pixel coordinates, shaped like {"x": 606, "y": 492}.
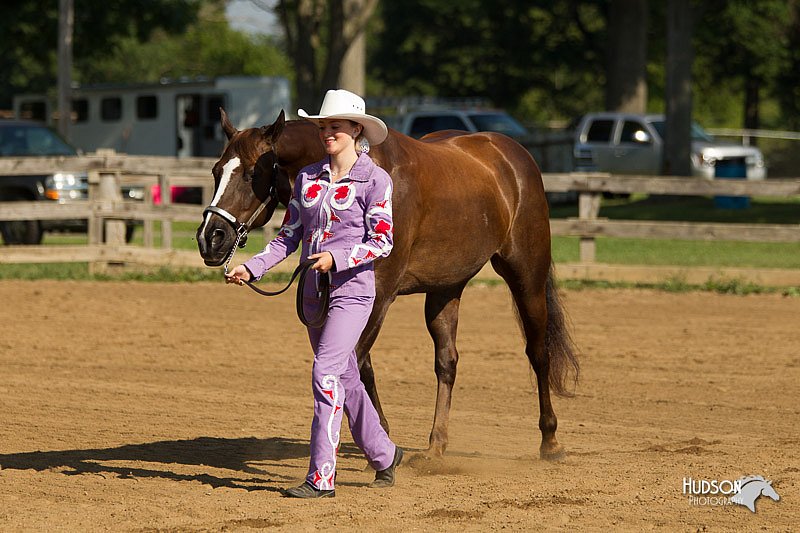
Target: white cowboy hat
{"x": 345, "y": 105}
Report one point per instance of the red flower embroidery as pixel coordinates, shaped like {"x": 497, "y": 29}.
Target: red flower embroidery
{"x": 383, "y": 227}
{"x": 382, "y": 204}
{"x": 312, "y": 191}
{"x": 342, "y": 192}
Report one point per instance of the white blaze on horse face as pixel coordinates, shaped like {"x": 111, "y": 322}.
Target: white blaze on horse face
{"x": 227, "y": 171}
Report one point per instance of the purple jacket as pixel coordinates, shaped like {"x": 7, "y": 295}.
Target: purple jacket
{"x": 351, "y": 219}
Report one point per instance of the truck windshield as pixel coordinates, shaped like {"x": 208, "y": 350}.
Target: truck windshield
{"x": 698, "y": 133}
{"x": 499, "y": 122}
{"x": 29, "y": 139}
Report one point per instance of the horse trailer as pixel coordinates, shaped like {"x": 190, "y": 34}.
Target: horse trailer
{"x": 172, "y": 118}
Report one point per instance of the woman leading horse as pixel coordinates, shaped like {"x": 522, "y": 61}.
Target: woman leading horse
{"x": 459, "y": 201}
{"x": 341, "y": 213}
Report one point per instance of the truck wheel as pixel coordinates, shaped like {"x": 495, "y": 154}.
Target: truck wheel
{"x": 21, "y": 232}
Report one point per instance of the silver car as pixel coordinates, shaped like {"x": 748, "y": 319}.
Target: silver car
{"x": 622, "y": 143}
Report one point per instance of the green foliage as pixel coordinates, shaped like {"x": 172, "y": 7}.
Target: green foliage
{"x": 542, "y": 60}
{"x": 738, "y": 286}
{"x": 29, "y": 33}
{"x": 788, "y": 81}
{"x": 133, "y": 42}
{"x": 546, "y": 60}
{"x": 518, "y": 54}
{"x": 746, "y": 38}
{"x": 209, "y": 47}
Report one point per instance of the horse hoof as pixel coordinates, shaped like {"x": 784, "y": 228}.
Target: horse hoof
{"x": 554, "y": 455}
{"x": 434, "y": 452}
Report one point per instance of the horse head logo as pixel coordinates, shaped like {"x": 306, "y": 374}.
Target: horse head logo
{"x": 751, "y": 488}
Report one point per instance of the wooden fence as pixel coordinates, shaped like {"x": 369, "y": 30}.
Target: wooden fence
{"x": 106, "y": 213}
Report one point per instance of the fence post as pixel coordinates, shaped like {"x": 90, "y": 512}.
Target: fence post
{"x": 166, "y": 201}
{"x": 105, "y": 195}
{"x": 95, "y": 222}
{"x": 588, "y": 209}
{"x": 148, "y": 239}
{"x": 111, "y": 197}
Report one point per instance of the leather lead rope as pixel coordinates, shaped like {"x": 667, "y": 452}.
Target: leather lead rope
{"x": 324, "y": 294}
{"x": 302, "y": 269}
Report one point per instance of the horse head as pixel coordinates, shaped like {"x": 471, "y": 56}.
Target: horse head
{"x": 249, "y": 184}
{"x": 769, "y": 491}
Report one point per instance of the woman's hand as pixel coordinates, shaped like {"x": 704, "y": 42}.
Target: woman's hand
{"x": 324, "y": 262}
{"x": 238, "y": 275}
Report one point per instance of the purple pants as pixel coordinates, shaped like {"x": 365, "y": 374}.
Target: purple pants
{"x": 337, "y": 386}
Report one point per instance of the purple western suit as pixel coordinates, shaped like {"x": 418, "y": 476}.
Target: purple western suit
{"x": 351, "y": 219}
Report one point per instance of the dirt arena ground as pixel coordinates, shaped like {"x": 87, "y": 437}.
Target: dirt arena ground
{"x": 186, "y": 407}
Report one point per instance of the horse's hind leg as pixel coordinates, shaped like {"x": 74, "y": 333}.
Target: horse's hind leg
{"x": 441, "y": 316}
{"x": 368, "y": 337}
{"x": 527, "y": 282}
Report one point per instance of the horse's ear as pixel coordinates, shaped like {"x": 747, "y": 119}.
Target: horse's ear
{"x": 227, "y": 127}
{"x": 274, "y": 130}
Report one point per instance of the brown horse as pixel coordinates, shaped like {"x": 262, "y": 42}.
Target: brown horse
{"x": 460, "y": 200}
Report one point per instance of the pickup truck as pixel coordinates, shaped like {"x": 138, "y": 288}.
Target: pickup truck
{"x": 21, "y": 138}
{"x": 625, "y": 143}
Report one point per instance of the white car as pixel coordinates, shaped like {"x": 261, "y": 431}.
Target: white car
{"x": 622, "y": 143}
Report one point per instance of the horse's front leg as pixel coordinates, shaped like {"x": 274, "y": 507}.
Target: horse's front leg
{"x": 363, "y": 348}
{"x": 441, "y": 316}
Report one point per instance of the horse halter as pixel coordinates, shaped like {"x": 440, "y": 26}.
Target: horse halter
{"x": 301, "y": 272}
{"x": 243, "y": 228}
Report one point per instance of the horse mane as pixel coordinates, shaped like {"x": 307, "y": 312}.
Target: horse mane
{"x": 750, "y": 479}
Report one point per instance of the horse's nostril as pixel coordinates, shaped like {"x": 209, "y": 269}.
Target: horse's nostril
{"x": 217, "y": 237}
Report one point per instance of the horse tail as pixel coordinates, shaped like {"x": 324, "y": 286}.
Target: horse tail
{"x": 558, "y": 344}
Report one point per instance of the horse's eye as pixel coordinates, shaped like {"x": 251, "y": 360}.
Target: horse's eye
{"x": 247, "y": 176}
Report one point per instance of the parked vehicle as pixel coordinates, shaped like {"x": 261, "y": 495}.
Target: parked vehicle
{"x": 623, "y": 143}
{"x": 20, "y": 138}
{"x": 424, "y": 121}
{"x": 419, "y": 123}
{"x": 172, "y": 118}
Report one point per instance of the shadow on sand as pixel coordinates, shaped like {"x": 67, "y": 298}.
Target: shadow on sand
{"x": 250, "y": 455}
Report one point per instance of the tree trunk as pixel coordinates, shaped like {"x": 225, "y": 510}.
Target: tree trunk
{"x": 341, "y": 68}
{"x": 353, "y": 74}
{"x": 626, "y": 68}
{"x": 301, "y": 21}
{"x": 677, "y": 144}
{"x": 752, "y": 120}
{"x": 66, "y": 22}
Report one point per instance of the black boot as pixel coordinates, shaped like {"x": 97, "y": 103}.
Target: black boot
{"x": 307, "y": 490}
{"x": 385, "y": 478}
